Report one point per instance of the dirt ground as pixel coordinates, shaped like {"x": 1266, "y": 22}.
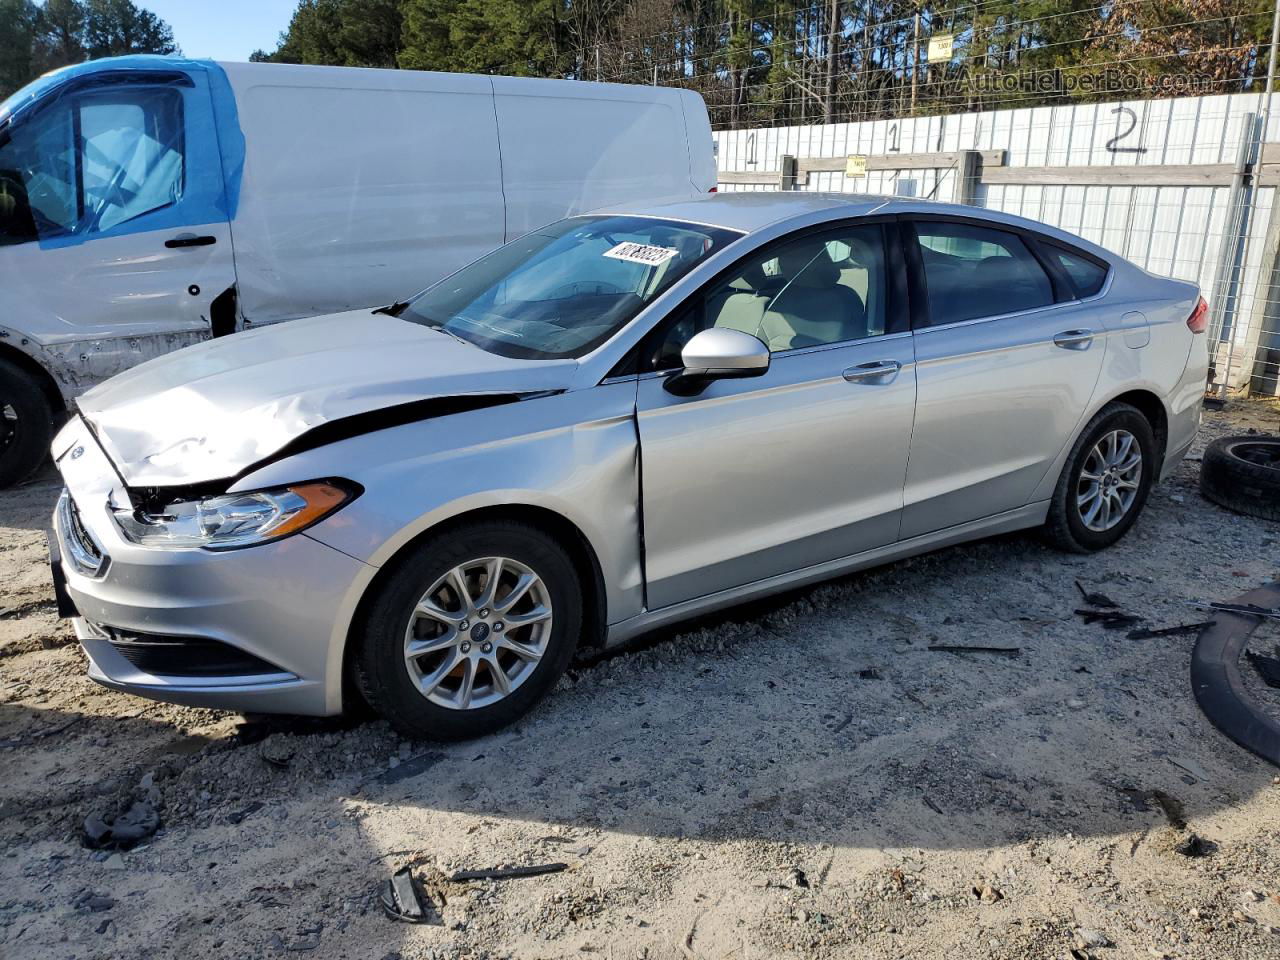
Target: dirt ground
{"x": 801, "y": 778}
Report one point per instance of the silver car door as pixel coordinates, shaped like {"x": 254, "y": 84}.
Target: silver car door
{"x": 754, "y": 478}
{"x": 1005, "y": 372}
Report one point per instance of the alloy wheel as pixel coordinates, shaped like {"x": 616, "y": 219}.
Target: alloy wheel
{"x": 1109, "y": 480}
{"x": 478, "y": 633}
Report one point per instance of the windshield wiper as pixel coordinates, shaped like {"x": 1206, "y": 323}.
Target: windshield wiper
{"x": 440, "y": 328}
{"x": 393, "y": 309}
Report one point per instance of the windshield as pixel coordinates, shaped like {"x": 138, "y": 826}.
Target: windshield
{"x": 563, "y": 290}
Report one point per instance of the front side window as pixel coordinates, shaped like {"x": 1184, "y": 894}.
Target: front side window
{"x": 91, "y": 162}
{"x": 822, "y": 289}
{"x": 974, "y": 272}
{"x": 563, "y": 290}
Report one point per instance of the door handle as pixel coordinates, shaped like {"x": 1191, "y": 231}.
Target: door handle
{"x": 880, "y": 371}
{"x": 189, "y": 240}
{"x": 1074, "y": 339}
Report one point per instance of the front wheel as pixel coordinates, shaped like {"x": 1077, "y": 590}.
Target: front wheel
{"x": 26, "y": 424}
{"x": 469, "y": 631}
{"x": 1105, "y": 481}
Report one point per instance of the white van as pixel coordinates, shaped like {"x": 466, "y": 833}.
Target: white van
{"x": 147, "y": 203}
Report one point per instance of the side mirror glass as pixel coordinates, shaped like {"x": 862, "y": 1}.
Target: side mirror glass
{"x": 718, "y": 354}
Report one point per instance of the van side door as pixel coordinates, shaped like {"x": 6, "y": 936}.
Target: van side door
{"x": 114, "y": 240}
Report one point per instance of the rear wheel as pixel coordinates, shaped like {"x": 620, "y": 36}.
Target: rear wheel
{"x": 26, "y": 424}
{"x": 1105, "y": 481}
{"x": 469, "y": 631}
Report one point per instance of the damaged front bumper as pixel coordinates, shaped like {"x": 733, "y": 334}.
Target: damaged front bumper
{"x": 258, "y": 629}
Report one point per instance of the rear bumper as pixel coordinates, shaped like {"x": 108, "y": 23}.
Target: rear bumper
{"x": 285, "y": 606}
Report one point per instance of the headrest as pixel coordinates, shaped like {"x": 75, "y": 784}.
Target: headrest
{"x": 800, "y": 261}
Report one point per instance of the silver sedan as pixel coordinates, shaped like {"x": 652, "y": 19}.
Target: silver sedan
{"x": 615, "y": 422}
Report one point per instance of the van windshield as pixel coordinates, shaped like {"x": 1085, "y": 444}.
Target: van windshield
{"x": 563, "y": 290}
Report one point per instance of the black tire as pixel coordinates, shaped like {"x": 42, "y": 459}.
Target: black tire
{"x": 26, "y": 424}
{"x": 1243, "y": 475}
{"x": 378, "y": 665}
{"x": 1065, "y": 527}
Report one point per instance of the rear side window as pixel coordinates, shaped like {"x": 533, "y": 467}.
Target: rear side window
{"x": 972, "y": 272}
{"x": 1087, "y": 276}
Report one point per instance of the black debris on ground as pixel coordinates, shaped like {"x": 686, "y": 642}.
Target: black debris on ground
{"x": 1100, "y": 600}
{"x": 963, "y": 648}
{"x": 121, "y": 830}
{"x": 1110, "y": 619}
{"x": 1267, "y": 668}
{"x": 1144, "y": 633}
{"x": 507, "y": 873}
{"x": 239, "y": 816}
{"x": 404, "y": 899}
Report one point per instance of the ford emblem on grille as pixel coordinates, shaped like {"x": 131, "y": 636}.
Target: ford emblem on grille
{"x": 77, "y": 453}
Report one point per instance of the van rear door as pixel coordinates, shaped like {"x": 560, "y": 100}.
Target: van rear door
{"x": 569, "y": 147}
{"x": 115, "y": 245}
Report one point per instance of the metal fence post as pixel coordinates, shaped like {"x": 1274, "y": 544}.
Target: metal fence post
{"x": 789, "y": 172}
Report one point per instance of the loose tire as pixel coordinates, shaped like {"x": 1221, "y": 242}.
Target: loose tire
{"x": 26, "y": 424}
{"x": 1243, "y": 475}
{"x": 469, "y": 631}
{"x": 1105, "y": 481}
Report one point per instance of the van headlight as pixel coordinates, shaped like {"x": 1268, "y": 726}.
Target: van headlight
{"x": 232, "y": 520}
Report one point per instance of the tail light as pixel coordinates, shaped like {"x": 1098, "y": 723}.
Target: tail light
{"x": 715, "y": 189}
{"x": 1198, "y": 322}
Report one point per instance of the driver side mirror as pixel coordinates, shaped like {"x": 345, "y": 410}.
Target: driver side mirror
{"x": 717, "y": 354}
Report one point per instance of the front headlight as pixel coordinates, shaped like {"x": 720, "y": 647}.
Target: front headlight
{"x": 233, "y": 519}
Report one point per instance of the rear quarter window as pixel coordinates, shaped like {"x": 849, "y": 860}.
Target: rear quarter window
{"x": 1087, "y": 276}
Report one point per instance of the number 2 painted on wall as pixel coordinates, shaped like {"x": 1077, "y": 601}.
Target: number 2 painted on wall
{"x": 1133, "y": 123}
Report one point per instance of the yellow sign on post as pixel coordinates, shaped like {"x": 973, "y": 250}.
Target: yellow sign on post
{"x": 940, "y": 48}
{"x": 855, "y": 165}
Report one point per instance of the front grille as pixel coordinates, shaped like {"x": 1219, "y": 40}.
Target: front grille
{"x": 83, "y": 550}
{"x": 185, "y": 656}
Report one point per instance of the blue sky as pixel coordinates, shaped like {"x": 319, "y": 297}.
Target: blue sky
{"x": 223, "y": 29}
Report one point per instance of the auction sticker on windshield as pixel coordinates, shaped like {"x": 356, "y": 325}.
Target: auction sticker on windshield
{"x": 641, "y": 253}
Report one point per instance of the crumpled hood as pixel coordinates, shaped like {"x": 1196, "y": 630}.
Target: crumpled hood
{"x": 209, "y": 411}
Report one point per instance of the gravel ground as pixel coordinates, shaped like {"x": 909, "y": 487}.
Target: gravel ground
{"x": 798, "y": 778}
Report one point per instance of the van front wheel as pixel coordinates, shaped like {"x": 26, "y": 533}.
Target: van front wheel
{"x": 26, "y": 424}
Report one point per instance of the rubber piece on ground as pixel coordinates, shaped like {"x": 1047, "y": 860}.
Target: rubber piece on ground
{"x": 1218, "y": 686}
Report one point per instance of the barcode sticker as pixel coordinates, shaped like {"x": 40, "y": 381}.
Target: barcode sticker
{"x": 641, "y": 253}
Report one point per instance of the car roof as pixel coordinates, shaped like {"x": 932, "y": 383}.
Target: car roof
{"x": 749, "y": 211}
